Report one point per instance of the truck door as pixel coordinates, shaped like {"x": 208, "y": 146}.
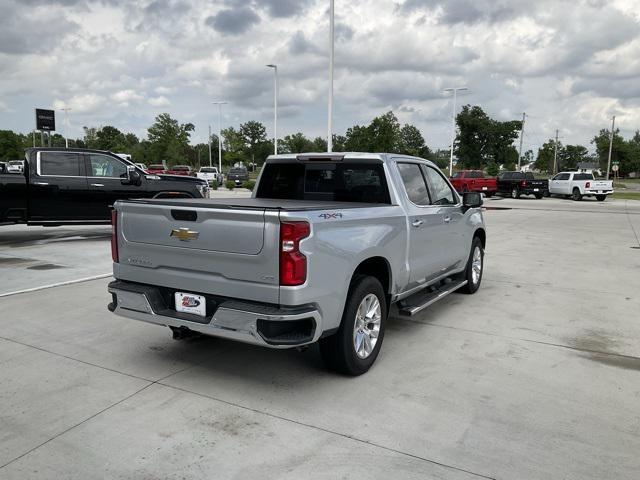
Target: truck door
{"x": 104, "y": 176}
{"x": 560, "y": 184}
{"x": 456, "y": 246}
{"x": 57, "y": 187}
{"x": 426, "y": 235}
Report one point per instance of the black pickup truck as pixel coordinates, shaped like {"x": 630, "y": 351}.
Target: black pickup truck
{"x": 79, "y": 186}
{"x": 521, "y": 183}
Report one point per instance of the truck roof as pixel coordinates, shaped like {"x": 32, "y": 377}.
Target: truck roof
{"x": 339, "y": 156}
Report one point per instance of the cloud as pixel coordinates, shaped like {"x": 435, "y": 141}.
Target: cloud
{"x": 160, "y": 101}
{"x": 233, "y": 21}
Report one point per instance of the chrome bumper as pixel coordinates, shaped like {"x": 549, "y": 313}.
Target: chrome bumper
{"x": 235, "y": 320}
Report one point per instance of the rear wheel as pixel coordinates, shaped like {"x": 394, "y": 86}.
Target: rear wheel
{"x": 601, "y": 198}
{"x": 355, "y": 346}
{"x": 489, "y": 194}
{"x": 475, "y": 264}
{"x": 576, "y": 195}
{"x": 515, "y": 192}
{"x": 538, "y": 195}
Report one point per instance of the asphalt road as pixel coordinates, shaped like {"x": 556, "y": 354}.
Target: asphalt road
{"x": 537, "y": 376}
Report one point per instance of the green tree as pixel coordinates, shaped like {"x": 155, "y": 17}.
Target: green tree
{"x": 169, "y": 139}
{"x": 411, "y": 141}
{"x": 296, "y": 143}
{"x": 339, "y": 142}
{"x": 623, "y": 152}
{"x": 384, "y": 133}
{"x": 110, "y": 138}
{"x": 571, "y": 155}
{"x": 544, "y": 160}
{"x": 493, "y": 169}
{"x": 482, "y": 139}
{"x": 10, "y": 146}
{"x": 254, "y": 133}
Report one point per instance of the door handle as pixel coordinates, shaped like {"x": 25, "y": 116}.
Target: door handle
{"x": 417, "y": 223}
{"x": 447, "y": 219}
{"x": 97, "y": 185}
{"x": 40, "y": 183}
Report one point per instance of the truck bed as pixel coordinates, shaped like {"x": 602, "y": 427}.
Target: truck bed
{"x": 256, "y": 203}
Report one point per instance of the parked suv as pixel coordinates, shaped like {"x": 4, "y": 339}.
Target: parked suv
{"x": 319, "y": 253}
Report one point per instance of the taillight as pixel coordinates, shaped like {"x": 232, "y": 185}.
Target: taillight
{"x": 293, "y": 264}
{"x": 524, "y": 183}
{"x": 114, "y": 235}
{"x": 587, "y": 185}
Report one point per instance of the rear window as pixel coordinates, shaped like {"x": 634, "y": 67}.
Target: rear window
{"x": 60, "y": 164}
{"x": 340, "y": 182}
{"x": 156, "y": 167}
{"x": 238, "y": 170}
{"x": 457, "y": 175}
{"x": 181, "y": 168}
{"x": 208, "y": 170}
{"x": 583, "y": 176}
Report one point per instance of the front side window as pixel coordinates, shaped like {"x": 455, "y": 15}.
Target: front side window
{"x": 60, "y": 164}
{"x": 414, "y": 183}
{"x": 441, "y": 192}
{"x": 104, "y": 166}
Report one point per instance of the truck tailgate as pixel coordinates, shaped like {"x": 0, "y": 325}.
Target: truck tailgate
{"x": 229, "y": 252}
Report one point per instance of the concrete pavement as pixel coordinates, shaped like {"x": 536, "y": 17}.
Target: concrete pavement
{"x": 535, "y": 376}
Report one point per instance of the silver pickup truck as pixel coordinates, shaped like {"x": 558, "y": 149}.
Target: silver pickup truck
{"x": 321, "y": 250}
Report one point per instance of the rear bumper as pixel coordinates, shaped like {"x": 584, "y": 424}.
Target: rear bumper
{"x": 254, "y": 323}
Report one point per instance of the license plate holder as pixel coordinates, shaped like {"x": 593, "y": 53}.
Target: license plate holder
{"x": 191, "y": 303}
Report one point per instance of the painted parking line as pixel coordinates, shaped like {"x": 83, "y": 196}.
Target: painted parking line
{"x": 59, "y": 284}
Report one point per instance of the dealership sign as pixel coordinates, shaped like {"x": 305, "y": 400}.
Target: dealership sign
{"x": 45, "y": 120}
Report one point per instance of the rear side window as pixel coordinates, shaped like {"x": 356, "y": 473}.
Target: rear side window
{"x": 583, "y": 176}
{"x": 60, "y": 164}
{"x": 340, "y": 182}
{"x": 414, "y": 183}
{"x": 441, "y": 192}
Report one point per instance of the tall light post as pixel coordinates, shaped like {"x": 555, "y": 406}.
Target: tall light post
{"x": 66, "y": 111}
{"x": 330, "y": 112}
{"x": 613, "y": 126}
{"x": 275, "y": 108}
{"x": 219, "y": 136}
{"x": 455, "y": 91}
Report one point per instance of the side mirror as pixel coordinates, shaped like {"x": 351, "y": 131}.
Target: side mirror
{"x": 471, "y": 200}
{"x": 133, "y": 176}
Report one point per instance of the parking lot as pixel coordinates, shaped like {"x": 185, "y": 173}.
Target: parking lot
{"x": 537, "y": 376}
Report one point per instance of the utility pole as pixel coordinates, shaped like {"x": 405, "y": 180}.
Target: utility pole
{"x": 613, "y": 124}
{"x": 330, "y": 113}
{"x": 66, "y": 124}
{"x": 555, "y": 154}
{"x": 275, "y": 108}
{"x": 521, "y": 138}
{"x": 209, "y": 145}
{"x": 219, "y": 135}
{"x": 455, "y": 91}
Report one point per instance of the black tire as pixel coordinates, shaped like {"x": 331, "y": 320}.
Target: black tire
{"x": 489, "y": 194}
{"x": 338, "y": 351}
{"x": 546, "y": 194}
{"x": 576, "y": 196}
{"x": 472, "y": 286}
{"x": 538, "y": 195}
{"x": 515, "y": 192}
{"x": 601, "y": 198}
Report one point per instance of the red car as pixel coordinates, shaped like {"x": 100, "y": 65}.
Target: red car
{"x": 181, "y": 170}
{"x": 474, "y": 181}
{"x": 156, "y": 169}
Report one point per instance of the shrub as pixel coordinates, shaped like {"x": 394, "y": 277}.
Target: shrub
{"x": 230, "y": 184}
{"x": 249, "y": 184}
{"x": 213, "y": 185}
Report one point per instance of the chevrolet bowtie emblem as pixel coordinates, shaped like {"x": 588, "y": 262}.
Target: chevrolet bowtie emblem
{"x": 184, "y": 234}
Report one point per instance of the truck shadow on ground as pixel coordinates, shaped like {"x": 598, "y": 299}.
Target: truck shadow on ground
{"x": 31, "y": 238}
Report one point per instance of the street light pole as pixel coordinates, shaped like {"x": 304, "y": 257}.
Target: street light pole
{"x": 275, "y": 108}
{"x": 219, "y": 136}
{"x": 330, "y": 112}
{"x": 613, "y": 124}
{"x": 66, "y": 122}
{"x": 209, "y": 145}
{"x": 524, "y": 116}
{"x": 455, "y": 91}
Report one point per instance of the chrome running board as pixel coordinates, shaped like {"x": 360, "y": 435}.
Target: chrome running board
{"x": 421, "y": 300}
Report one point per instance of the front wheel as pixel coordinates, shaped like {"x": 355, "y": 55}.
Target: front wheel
{"x": 355, "y": 346}
{"x": 475, "y": 266}
{"x": 601, "y": 198}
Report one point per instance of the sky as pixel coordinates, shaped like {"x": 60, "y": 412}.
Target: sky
{"x": 570, "y": 65}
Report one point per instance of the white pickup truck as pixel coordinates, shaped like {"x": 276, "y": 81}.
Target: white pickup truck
{"x": 577, "y": 185}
